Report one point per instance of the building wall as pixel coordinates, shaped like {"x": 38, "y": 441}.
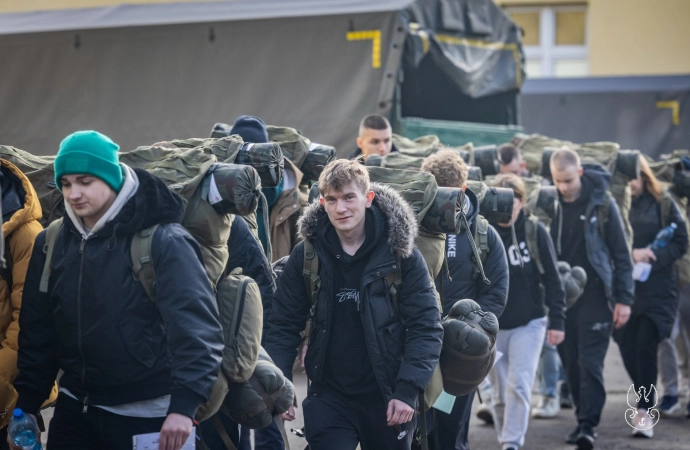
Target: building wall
{"x": 632, "y": 37}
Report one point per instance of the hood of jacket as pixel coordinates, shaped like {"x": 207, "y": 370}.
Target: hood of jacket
{"x": 472, "y": 205}
{"x": 152, "y": 203}
{"x": 401, "y": 220}
{"x": 598, "y": 180}
{"x": 32, "y": 206}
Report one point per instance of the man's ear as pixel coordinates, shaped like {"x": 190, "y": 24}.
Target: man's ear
{"x": 523, "y": 165}
{"x": 370, "y": 197}
{"x": 359, "y": 142}
{"x": 464, "y": 187}
{"x": 322, "y": 201}
{"x": 580, "y": 171}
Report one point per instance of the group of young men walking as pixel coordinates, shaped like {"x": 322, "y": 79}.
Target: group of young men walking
{"x": 131, "y": 365}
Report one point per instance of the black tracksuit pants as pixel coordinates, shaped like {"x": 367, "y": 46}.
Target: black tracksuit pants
{"x": 588, "y": 328}
{"x": 97, "y": 429}
{"x": 332, "y": 422}
{"x": 450, "y": 431}
{"x": 638, "y": 342}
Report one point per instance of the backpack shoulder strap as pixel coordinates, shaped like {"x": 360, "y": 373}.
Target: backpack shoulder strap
{"x": 531, "y": 230}
{"x": 142, "y": 261}
{"x": 481, "y": 237}
{"x": 51, "y": 236}
{"x": 310, "y": 271}
{"x": 603, "y": 212}
{"x": 666, "y": 205}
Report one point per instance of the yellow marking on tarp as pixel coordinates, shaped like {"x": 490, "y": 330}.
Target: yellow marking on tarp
{"x": 674, "y": 106}
{"x": 375, "y": 36}
{"x": 453, "y": 40}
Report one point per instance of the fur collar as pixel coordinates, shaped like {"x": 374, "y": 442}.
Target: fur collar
{"x": 402, "y": 222}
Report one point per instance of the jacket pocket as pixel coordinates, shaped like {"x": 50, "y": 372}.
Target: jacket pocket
{"x": 141, "y": 339}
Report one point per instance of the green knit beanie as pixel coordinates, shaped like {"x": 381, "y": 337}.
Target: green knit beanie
{"x": 89, "y": 153}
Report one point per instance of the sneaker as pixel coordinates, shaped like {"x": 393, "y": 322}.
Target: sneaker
{"x": 547, "y": 408}
{"x": 485, "y": 413}
{"x": 566, "y": 400}
{"x": 641, "y": 416}
{"x": 585, "y": 439}
{"x": 670, "y": 405}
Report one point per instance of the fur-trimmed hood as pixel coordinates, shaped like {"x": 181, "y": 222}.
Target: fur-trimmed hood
{"x": 402, "y": 222}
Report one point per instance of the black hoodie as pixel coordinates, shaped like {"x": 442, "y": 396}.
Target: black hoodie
{"x": 98, "y": 324}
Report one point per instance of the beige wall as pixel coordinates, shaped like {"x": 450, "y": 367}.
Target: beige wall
{"x": 633, "y": 37}
{"x": 35, "y": 5}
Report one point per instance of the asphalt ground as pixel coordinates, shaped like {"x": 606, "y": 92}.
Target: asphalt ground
{"x": 548, "y": 434}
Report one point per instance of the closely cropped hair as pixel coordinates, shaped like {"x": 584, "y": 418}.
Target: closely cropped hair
{"x": 651, "y": 183}
{"x": 374, "y": 122}
{"x": 507, "y": 153}
{"x": 448, "y": 167}
{"x": 340, "y": 173}
{"x": 511, "y": 181}
{"x": 565, "y": 157}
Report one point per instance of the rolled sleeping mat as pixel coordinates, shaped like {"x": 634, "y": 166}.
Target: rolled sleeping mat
{"x": 237, "y": 188}
{"x": 486, "y": 157}
{"x": 474, "y": 173}
{"x": 221, "y": 130}
{"x": 314, "y": 193}
{"x": 543, "y": 203}
{"x": 318, "y": 157}
{"x": 246, "y": 405}
{"x": 469, "y": 347}
{"x": 628, "y": 163}
{"x": 465, "y": 155}
{"x": 546, "y": 162}
{"x": 444, "y": 214}
{"x": 495, "y": 203}
{"x": 681, "y": 182}
{"x": 266, "y": 158}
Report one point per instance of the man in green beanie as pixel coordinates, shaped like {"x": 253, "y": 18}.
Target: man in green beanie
{"x": 131, "y": 365}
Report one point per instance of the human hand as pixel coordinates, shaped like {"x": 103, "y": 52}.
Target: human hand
{"x": 289, "y": 415}
{"x": 16, "y": 447}
{"x": 643, "y": 255}
{"x": 303, "y": 354}
{"x": 175, "y": 432}
{"x": 555, "y": 337}
{"x": 398, "y": 413}
{"x": 621, "y": 314}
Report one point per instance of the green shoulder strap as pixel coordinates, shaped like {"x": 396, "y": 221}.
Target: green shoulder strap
{"x": 481, "y": 237}
{"x": 51, "y": 236}
{"x": 531, "y": 227}
{"x": 666, "y": 204}
{"x": 142, "y": 262}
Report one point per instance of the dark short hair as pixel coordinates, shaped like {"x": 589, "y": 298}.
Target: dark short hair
{"x": 375, "y": 122}
{"x": 507, "y": 153}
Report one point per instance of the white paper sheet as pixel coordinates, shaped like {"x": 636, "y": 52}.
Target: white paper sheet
{"x": 150, "y": 441}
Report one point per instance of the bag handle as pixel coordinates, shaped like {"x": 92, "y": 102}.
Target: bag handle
{"x": 51, "y": 236}
{"x": 142, "y": 261}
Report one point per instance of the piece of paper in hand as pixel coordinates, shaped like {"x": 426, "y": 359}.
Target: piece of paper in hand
{"x": 444, "y": 402}
{"x": 213, "y": 193}
{"x": 641, "y": 271}
{"x": 150, "y": 441}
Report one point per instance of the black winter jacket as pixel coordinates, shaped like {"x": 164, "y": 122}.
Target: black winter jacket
{"x": 609, "y": 255}
{"x": 464, "y": 282}
{"x": 358, "y": 152}
{"x": 404, "y": 343}
{"x": 246, "y": 253}
{"x": 657, "y": 297}
{"x": 98, "y": 324}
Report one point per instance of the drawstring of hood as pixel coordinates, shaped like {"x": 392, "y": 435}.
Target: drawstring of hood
{"x": 473, "y": 245}
{"x": 515, "y": 244}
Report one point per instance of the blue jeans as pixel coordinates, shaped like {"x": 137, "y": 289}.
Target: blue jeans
{"x": 550, "y": 371}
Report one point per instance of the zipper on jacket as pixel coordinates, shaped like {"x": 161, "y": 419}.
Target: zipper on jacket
{"x": 81, "y": 351}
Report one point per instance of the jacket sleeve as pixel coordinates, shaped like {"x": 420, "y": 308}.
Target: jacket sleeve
{"x": 188, "y": 307}
{"x": 246, "y": 253}
{"x": 492, "y": 297}
{"x": 290, "y": 312}
{"x": 21, "y": 244}
{"x": 665, "y": 257}
{"x": 420, "y": 312}
{"x": 37, "y": 357}
{"x": 553, "y": 287}
{"x": 623, "y": 285}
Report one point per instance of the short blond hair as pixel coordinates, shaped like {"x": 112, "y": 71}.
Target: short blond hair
{"x": 341, "y": 172}
{"x": 511, "y": 181}
{"x": 448, "y": 167}
{"x": 565, "y": 157}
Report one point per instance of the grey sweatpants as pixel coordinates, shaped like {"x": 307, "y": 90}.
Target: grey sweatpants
{"x": 674, "y": 352}
{"x": 512, "y": 378}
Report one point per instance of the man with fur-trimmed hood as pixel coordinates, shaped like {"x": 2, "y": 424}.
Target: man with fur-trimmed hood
{"x": 369, "y": 357}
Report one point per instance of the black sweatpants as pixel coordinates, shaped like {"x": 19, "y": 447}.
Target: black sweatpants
{"x": 97, "y": 429}
{"x": 638, "y": 342}
{"x": 450, "y": 431}
{"x": 588, "y": 328}
{"x": 332, "y": 422}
